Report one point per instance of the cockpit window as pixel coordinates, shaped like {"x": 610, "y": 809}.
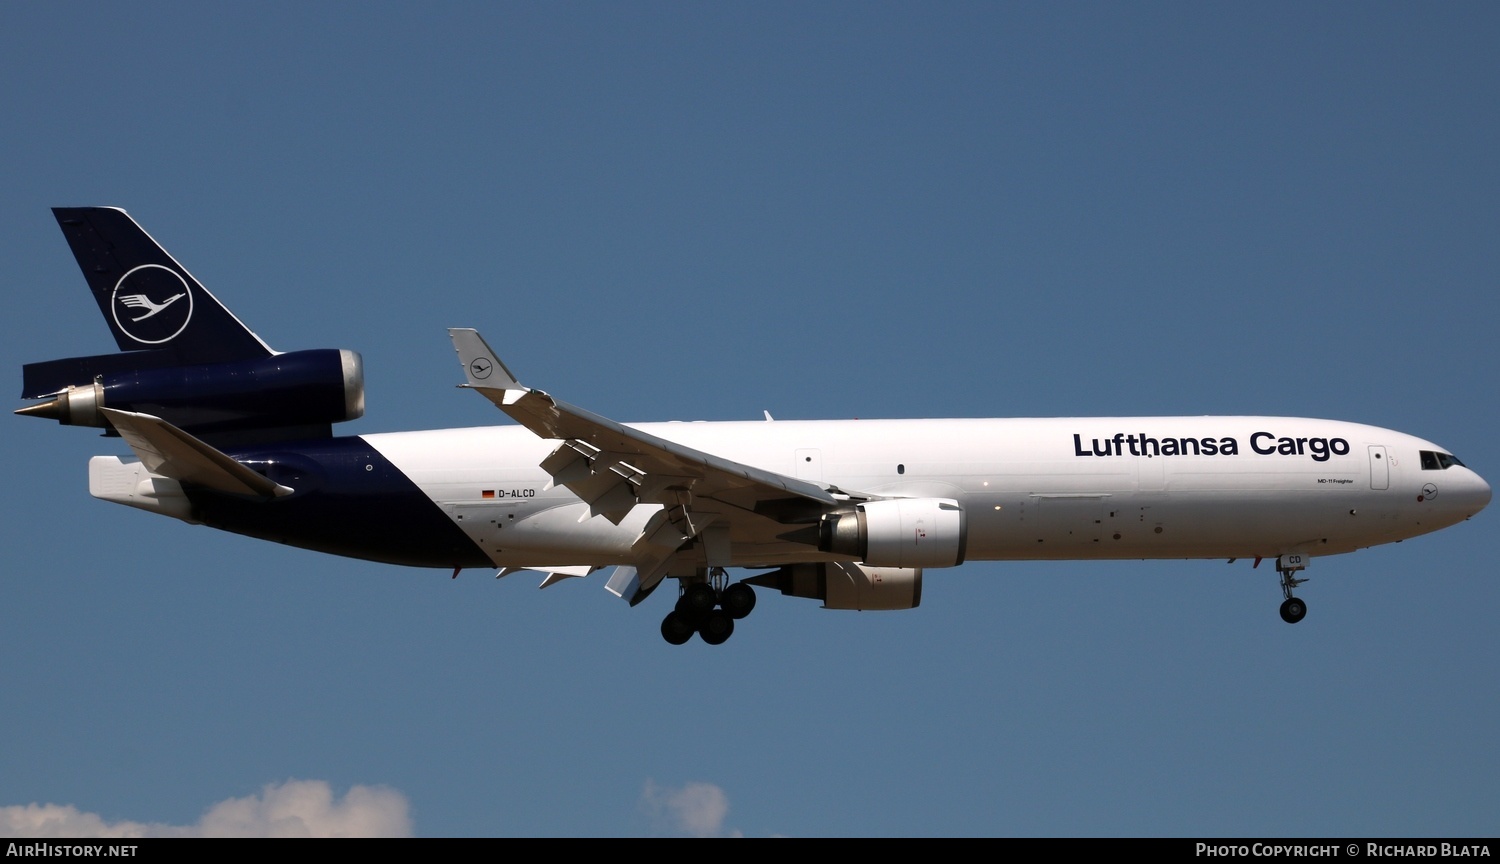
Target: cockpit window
{"x": 1434, "y": 461}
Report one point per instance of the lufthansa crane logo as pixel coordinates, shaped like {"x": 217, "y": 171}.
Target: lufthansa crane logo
{"x": 481, "y": 368}
{"x": 152, "y": 304}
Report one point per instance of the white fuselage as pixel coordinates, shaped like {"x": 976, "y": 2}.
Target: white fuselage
{"x": 1055, "y": 488}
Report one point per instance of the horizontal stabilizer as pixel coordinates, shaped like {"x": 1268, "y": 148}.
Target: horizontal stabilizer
{"x": 166, "y": 450}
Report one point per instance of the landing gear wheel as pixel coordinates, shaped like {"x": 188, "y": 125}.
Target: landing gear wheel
{"x": 1292, "y": 610}
{"x": 717, "y": 627}
{"x": 697, "y": 600}
{"x": 675, "y": 630}
{"x": 738, "y": 599}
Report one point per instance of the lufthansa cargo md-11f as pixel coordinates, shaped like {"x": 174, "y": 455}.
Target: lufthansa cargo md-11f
{"x": 228, "y": 433}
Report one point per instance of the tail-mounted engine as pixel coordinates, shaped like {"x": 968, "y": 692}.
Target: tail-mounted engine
{"x": 899, "y": 532}
{"x": 305, "y": 391}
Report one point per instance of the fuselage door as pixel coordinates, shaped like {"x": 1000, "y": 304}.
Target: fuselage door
{"x": 1068, "y": 522}
{"x": 1380, "y": 467}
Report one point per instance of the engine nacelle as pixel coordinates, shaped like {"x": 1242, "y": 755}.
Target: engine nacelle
{"x": 900, "y": 532}
{"x": 844, "y": 585}
{"x": 299, "y": 389}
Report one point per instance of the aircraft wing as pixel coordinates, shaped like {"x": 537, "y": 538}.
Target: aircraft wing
{"x": 614, "y": 467}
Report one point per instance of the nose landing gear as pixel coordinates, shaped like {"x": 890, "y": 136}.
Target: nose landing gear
{"x": 1292, "y": 609}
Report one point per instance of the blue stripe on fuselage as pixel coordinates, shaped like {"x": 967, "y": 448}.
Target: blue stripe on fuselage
{"x": 348, "y": 500}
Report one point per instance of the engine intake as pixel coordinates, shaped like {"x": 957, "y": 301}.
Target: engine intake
{"x": 900, "y": 532}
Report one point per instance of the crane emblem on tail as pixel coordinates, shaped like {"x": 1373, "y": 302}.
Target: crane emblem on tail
{"x": 141, "y": 301}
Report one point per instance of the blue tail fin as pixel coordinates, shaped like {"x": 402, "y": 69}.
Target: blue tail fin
{"x": 149, "y": 301}
{"x": 184, "y": 359}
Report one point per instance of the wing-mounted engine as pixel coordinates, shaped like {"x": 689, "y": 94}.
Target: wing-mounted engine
{"x": 844, "y": 585}
{"x": 302, "y": 392}
{"x": 899, "y": 532}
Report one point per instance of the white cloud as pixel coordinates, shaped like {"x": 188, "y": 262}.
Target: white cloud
{"x": 56, "y": 820}
{"x": 694, "y": 809}
{"x": 296, "y": 808}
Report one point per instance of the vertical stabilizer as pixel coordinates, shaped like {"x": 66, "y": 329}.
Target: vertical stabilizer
{"x": 149, "y": 301}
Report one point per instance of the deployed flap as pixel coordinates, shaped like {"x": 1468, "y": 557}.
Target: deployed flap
{"x": 627, "y": 584}
{"x": 166, "y": 450}
{"x": 554, "y": 574}
{"x": 613, "y": 467}
{"x": 633, "y": 455}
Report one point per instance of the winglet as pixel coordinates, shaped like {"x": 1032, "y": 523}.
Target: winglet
{"x": 482, "y": 367}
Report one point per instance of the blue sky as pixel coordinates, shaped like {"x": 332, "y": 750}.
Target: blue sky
{"x": 703, "y": 211}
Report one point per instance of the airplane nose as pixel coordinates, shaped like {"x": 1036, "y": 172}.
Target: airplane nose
{"x": 1474, "y": 496}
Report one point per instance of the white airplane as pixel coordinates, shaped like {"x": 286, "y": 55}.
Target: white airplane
{"x": 228, "y": 433}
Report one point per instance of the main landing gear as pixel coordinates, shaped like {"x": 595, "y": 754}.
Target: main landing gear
{"x": 708, "y": 606}
{"x": 1292, "y": 609}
